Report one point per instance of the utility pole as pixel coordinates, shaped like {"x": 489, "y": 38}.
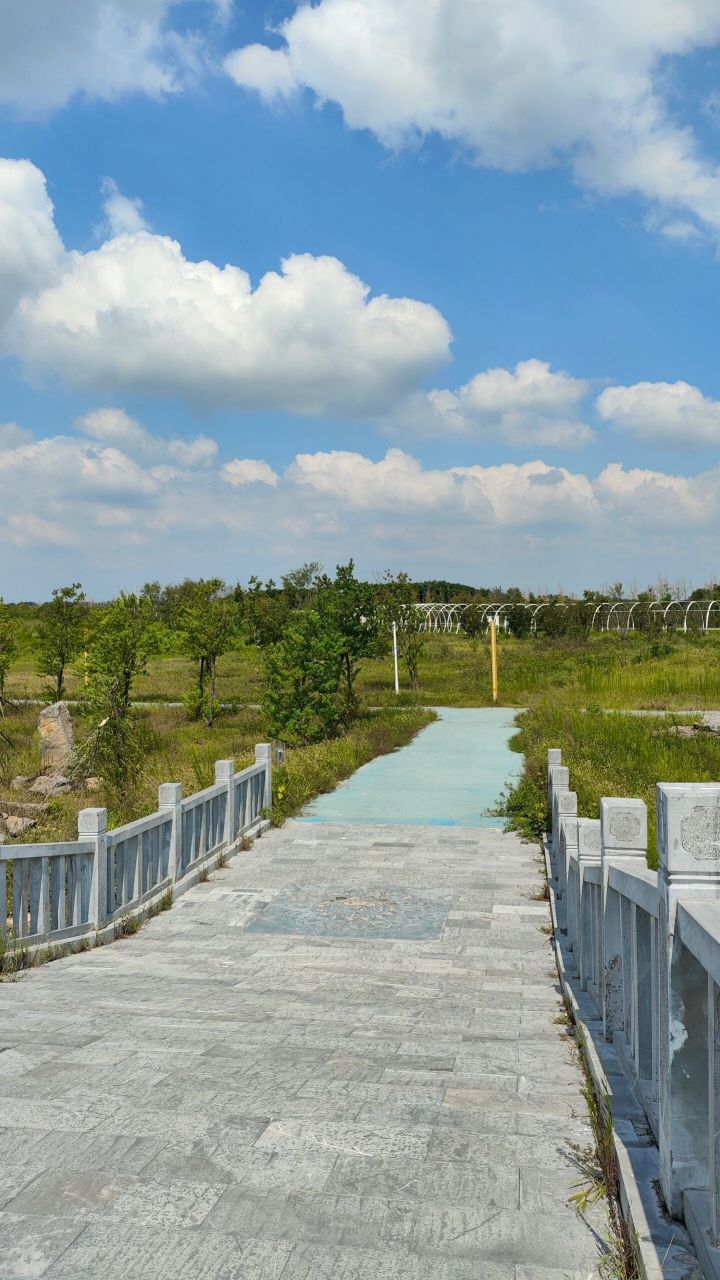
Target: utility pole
{"x": 395, "y": 657}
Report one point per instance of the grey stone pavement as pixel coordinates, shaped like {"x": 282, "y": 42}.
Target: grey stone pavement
{"x": 381, "y": 1094}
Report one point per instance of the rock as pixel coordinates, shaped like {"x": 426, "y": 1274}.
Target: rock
{"x": 683, "y": 730}
{"x": 710, "y": 722}
{"x": 93, "y": 784}
{"x": 4, "y": 833}
{"x": 16, "y": 826}
{"x": 56, "y": 738}
{"x": 19, "y": 783}
{"x": 21, "y": 808}
{"x": 50, "y": 786}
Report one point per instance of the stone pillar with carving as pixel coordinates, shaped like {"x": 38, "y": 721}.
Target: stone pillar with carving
{"x": 688, "y": 836}
{"x": 624, "y": 843}
{"x": 588, "y": 855}
{"x": 564, "y": 810}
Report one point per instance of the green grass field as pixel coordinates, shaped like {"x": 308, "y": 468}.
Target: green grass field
{"x": 609, "y": 670}
{"x": 564, "y": 683}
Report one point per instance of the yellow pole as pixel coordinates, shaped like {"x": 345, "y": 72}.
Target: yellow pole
{"x": 493, "y": 658}
{"x": 87, "y": 677}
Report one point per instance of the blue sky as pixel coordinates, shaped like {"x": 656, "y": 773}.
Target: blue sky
{"x": 538, "y": 202}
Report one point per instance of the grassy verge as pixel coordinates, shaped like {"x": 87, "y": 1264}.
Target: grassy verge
{"x": 185, "y": 752}
{"x": 608, "y": 755}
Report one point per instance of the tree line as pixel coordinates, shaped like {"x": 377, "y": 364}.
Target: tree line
{"x": 314, "y": 631}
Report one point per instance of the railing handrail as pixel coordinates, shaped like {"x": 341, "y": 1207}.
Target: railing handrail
{"x": 698, "y": 928}
{"x": 55, "y": 849}
{"x": 645, "y": 947}
{"x": 80, "y": 888}
{"x": 635, "y": 884}
{"x": 250, "y": 771}
{"x": 137, "y": 827}
{"x": 199, "y": 797}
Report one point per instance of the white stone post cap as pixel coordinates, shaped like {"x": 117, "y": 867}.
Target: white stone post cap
{"x": 566, "y": 804}
{"x": 624, "y": 824}
{"x": 224, "y": 770}
{"x": 589, "y": 840}
{"x": 554, "y": 756}
{"x": 170, "y": 793}
{"x": 688, "y": 828}
{"x": 568, "y": 831}
{"x": 92, "y": 822}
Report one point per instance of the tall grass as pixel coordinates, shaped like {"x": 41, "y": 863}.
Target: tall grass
{"x": 182, "y": 751}
{"x": 608, "y": 755}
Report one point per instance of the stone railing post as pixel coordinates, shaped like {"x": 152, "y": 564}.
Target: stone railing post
{"x": 170, "y": 796}
{"x": 92, "y": 826}
{"x": 588, "y": 854}
{"x": 567, "y": 842}
{"x": 554, "y": 756}
{"x": 688, "y": 834}
{"x": 559, "y": 782}
{"x": 564, "y": 809}
{"x": 264, "y": 755}
{"x": 623, "y": 824}
{"x": 225, "y": 773}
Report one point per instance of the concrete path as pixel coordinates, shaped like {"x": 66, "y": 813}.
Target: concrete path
{"x": 450, "y": 775}
{"x": 337, "y": 1060}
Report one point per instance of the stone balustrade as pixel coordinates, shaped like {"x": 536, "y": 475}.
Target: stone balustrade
{"x": 642, "y": 950}
{"x": 63, "y": 893}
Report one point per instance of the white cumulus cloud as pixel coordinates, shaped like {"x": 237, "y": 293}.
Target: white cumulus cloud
{"x": 122, "y": 516}
{"x": 137, "y": 315}
{"x": 51, "y": 50}
{"x": 243, "y": 471}
{"x": 673, "y": 413}
{"x": 123, "y": 214}
{"x": 518, "y": 83}
{"x": 530, "y": 404}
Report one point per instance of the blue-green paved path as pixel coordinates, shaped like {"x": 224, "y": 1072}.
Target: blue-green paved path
{"x": 451, "y": 775}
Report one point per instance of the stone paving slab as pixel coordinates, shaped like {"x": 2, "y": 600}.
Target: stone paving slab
{"x": 385, "y": 1094}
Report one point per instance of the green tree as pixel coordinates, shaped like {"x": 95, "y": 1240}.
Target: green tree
{"x": 208, "y": 619}
{"x": 60, "y": 635}
{"x": 266, "y": 612}
{"x": 303, "y": 701}
{"x": 8, "y": 648}
{"x": 120, "y": 643}
{"x": 299, "y": 584}
{"x": 397, "y": 605}
{"x": 351, "y": 609}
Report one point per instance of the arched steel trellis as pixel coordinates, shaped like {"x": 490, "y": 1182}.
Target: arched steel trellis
{"x": 607, "y": 615}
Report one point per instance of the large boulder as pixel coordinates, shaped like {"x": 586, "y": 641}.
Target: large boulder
{"x": 56, "y": 738}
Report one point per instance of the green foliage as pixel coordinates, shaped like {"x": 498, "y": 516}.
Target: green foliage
{"x": 266, "y": 613}
{"x": 60, "y": 635}
{"x": 473, "y": 620}
{"x": 8, "y": 647}
{"x": 303, "y": 701}
{"x": 120, "y": 643}
{"x": 208, "y": 617}
{"x": 348, "y": 606}
{"x": 299, "y": 584}
{"x": 396, "y": 600}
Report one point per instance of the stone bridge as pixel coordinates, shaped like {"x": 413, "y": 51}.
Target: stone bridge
{"x": 341, "y": 1057}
